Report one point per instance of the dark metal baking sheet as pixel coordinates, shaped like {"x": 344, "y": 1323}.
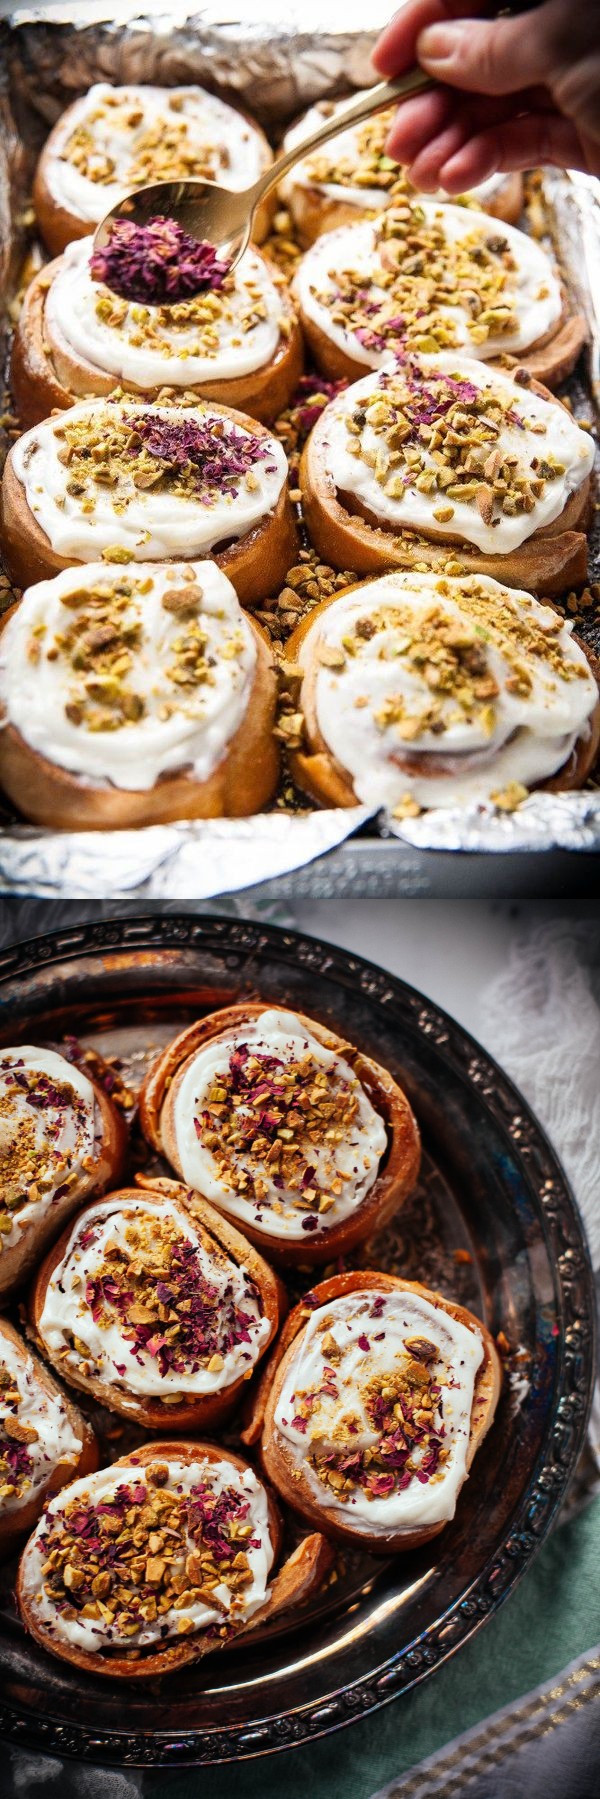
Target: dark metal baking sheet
{"x": 492, "y": 1190}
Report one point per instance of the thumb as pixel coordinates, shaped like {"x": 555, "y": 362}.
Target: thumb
{"x": 496, "y": 56}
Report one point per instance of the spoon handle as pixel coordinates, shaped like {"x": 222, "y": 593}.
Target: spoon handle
{"x": 361, "y": 106}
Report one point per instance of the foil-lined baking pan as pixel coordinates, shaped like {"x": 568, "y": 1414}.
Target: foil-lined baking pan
{"x": 276, "y": 66}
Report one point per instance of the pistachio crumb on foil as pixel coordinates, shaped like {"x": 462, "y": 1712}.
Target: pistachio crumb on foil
{"x": 281, "y": 245}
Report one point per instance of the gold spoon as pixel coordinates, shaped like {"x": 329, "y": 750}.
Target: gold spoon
{"x": 223, "y": 218}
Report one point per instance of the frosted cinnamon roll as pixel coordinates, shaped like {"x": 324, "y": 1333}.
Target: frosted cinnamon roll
{"x": 441, "y": 463}
{"x": 373, "y": 1406}
{"x": 157, "y": 1307}
{"x": 134, "y": 482}
{"x": 304, "y": 1142}
{"x": 135, "y": 696}
{"x": 427, "y": 277}
{"x": 115, "y": 139}
{"x": 44, "y": 1441}
{"x": 352, "y": 174}
{"x": 423, "y": 691}
{"x": 61, "y": 1139}
{"x": 149, "y": 1564}
{"x": 238, "y": 343}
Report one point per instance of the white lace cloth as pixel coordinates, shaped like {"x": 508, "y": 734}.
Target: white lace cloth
{"x": 542, "y": 1022}
{"x": 541, "y": 1018}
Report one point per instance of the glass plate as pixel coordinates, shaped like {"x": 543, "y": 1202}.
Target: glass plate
{"x": 493, "y": 1224}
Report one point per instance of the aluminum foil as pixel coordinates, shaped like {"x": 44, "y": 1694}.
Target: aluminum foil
{"x": 272, "y": 59}
{"x": 190, "y": 860}
{"x": 275, "y": 65}
{"x": 545, "y": 821}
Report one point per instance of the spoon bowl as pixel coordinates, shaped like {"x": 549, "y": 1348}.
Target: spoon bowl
{"x": 205, "y": 211}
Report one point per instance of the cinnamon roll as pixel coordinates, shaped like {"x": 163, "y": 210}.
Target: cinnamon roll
{"x": 373, "y": 1406}
{"x": 151, "y": 1302}
{"x": 304, "y": 1142}
{"x": 427, "y": 277}
{"x": 238, "y": 344}
{"x": 132, "y": 696}
{"x": 423, "y": 690}
{"x": 44, "y": 1441}
{"x": 61, "y": 1139}
{"x": 437, "y": 462}
{"x": 130, "y": 481}
{"x": 152, "y": 1562}
{"x": 352, "y": 174}
{"x": 115, "y": 139}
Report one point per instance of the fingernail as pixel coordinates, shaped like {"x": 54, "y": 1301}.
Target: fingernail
{"x": 439, "y": 43}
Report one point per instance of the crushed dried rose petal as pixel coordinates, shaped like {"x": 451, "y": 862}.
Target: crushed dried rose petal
{"x": 147, "y": 1551}
{"x": 216, "y": 451}
{"x": 156, "y": 264}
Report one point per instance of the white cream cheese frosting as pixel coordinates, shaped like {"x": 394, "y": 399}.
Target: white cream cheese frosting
{"x": 274, "y": 1075}
{"x": 190, "y": 1323}
{"x": 375, "y": 1409}
{"x": 115, "y": 139}
{"x": 179, "y": 1596}
{"x": 121, "y": 677}
{"x": 356, "y": 151}
{"x": 35, "y": 1429}
{"x": 447, "y": 690}
{"x": 48, "y": 1127}
{"x": 428, "y": 275}
{"x": 216, "y": 336}
{"x": 443, "y": 445}
{"x": 112, "y": 502}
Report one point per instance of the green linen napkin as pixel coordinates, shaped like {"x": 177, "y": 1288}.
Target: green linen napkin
{"x": 553, "y": 1616}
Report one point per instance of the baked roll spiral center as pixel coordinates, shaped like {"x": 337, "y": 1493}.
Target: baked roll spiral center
{"x": 36, "y": 1428}
{"x": 136, "y": 1556}
{"x": 277, "y": 1129}
{"x": 124, "y": 676}
{"x": 49, "y": 1135}
{"x": 375, "y": 1408}
{"x": 428, "y": 277}
{"x": 442, "y": 445}
{"x": 157, "y": 481}
{"x": 139, "y": 1299}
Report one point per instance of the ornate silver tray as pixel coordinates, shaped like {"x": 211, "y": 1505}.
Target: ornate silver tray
{"x": 492, "y": 1223}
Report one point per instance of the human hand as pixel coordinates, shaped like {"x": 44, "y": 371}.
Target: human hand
{"x": 512, "y": 93}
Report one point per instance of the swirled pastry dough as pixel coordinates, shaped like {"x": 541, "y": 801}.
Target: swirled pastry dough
{"x": 276, "y": 1129}
{"x": 122, "y": 676}
{"x": 158, "y": 481}
{"x": 375, "y": 1409}
{"x": 115, "y": 139}
{"x": 218, "y": 335}
{"x": 194, "y": 1552}
{"x": 427, "y": 276}
{"x": 446, "y": 690}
